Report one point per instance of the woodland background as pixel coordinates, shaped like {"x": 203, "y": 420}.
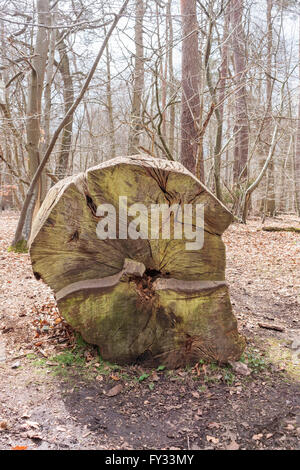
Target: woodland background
{"x": 212, "y": 83}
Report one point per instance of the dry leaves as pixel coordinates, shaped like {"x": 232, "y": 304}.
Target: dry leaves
{"x": 212, "y": 439}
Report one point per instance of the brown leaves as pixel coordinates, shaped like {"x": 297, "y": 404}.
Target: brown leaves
{"x": 3, "y": 425}
{"x": 212, "y": 439}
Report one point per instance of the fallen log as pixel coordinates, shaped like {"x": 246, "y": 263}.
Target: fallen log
{"x": 150, "y": 295}
{"x": 281, "y": 229}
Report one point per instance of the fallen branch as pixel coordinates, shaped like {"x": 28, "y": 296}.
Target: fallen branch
{"x": 268, "y": 326}
{"x": 281, "y": 229}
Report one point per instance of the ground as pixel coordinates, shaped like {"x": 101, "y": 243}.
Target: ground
{"x": 56, "y": 393}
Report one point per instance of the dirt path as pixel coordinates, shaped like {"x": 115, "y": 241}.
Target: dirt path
{"x": 55, "y": 392}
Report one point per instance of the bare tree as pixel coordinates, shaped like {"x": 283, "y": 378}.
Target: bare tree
{"x": 241, "y": 124}
{"x": 297, "y": 151}
{"x": 30, "y": 193}
{"x": 190, "y": 106}
{"x": 68, "y": 94}
{"x": 34, "y": 105}
{"x": 138, "y": 84}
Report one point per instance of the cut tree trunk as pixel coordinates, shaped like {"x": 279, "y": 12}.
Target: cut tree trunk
{"x": 139, "y": 298}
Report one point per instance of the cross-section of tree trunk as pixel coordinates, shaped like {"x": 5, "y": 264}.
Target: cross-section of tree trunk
{"x": 138, "y": 298}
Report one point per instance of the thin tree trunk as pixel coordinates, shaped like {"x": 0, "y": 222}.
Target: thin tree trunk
{"x": 68, "y": 92}
{"x": 34, "y": 106}
{"x": 190, "y": 107}
{"x": 171, "y": 80}
{"x": 109, "y": 104}
{"x": 220, "y": 111}
{"x": 297, "y": 151}
{"x": 48, "y": 83}
{"x": 270, "y": 202}
{"x": 38, "y": 66}
{"x": 241, "y": 125}
{"x": 138, "y": 85}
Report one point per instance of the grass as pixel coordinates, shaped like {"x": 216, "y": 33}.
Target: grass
{"x": 74, "y": 361}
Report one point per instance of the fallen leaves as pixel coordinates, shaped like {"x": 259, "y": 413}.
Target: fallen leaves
{"x": 3, "y": 425}
{"x": 257, "y": 437}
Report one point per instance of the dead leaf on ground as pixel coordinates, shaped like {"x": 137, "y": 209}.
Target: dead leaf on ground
{"x": 114, "y": 377}
{"x": 212, "y": 439}
{"x": 3, "y": 425}
{"x": 257, "y": 437}
{"x": 233, "y": 446}
{"x": 154, "y": 376}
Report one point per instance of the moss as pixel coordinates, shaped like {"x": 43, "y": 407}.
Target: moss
{"x": 20, "y": 247}
{"x": 284, "y": 357}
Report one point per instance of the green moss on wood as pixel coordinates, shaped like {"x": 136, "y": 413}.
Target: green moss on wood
{"x": 20, "y": 247}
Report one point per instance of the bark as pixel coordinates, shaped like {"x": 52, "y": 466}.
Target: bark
{"x": 145, "y": 297}
{"x": 270, "y": 202}
{"x": 241, "y": 118}
{"x": 171, "y": 80}
{"x": 138, "y": 84}
{"x": 48, "y": 82}
{"x": 36, "y": 83}
{"x": 297, "y": 151}
{"x": 68, "y": 94}
{"x": 220, "y": 110}
{"x": 190, "y": 106}
{"x": 257, "y": 181}
{"x": 109, "y": 104}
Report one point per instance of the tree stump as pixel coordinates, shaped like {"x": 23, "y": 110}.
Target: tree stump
{"x": 145, "y": 298}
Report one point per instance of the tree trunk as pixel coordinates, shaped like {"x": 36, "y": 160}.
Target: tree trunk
{"x": 190, "y": 70}
{"x": 66, "y": 138}
{"x": 241, "y": 124}
{"x": 138, "y": 297}
{"x": 109, "y": 106}
{"x": 270, "y": 202}
{"x": 297, "y": 152}
{"x": 172, "y": 116}
{"x": 138, "y": 85}
{"x": 33, "y": 125}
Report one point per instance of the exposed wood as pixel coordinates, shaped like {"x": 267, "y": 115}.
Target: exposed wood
{"x": 137, "y": 297}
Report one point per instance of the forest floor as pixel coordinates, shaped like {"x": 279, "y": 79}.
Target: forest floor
{"x": 56, "y": 393}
